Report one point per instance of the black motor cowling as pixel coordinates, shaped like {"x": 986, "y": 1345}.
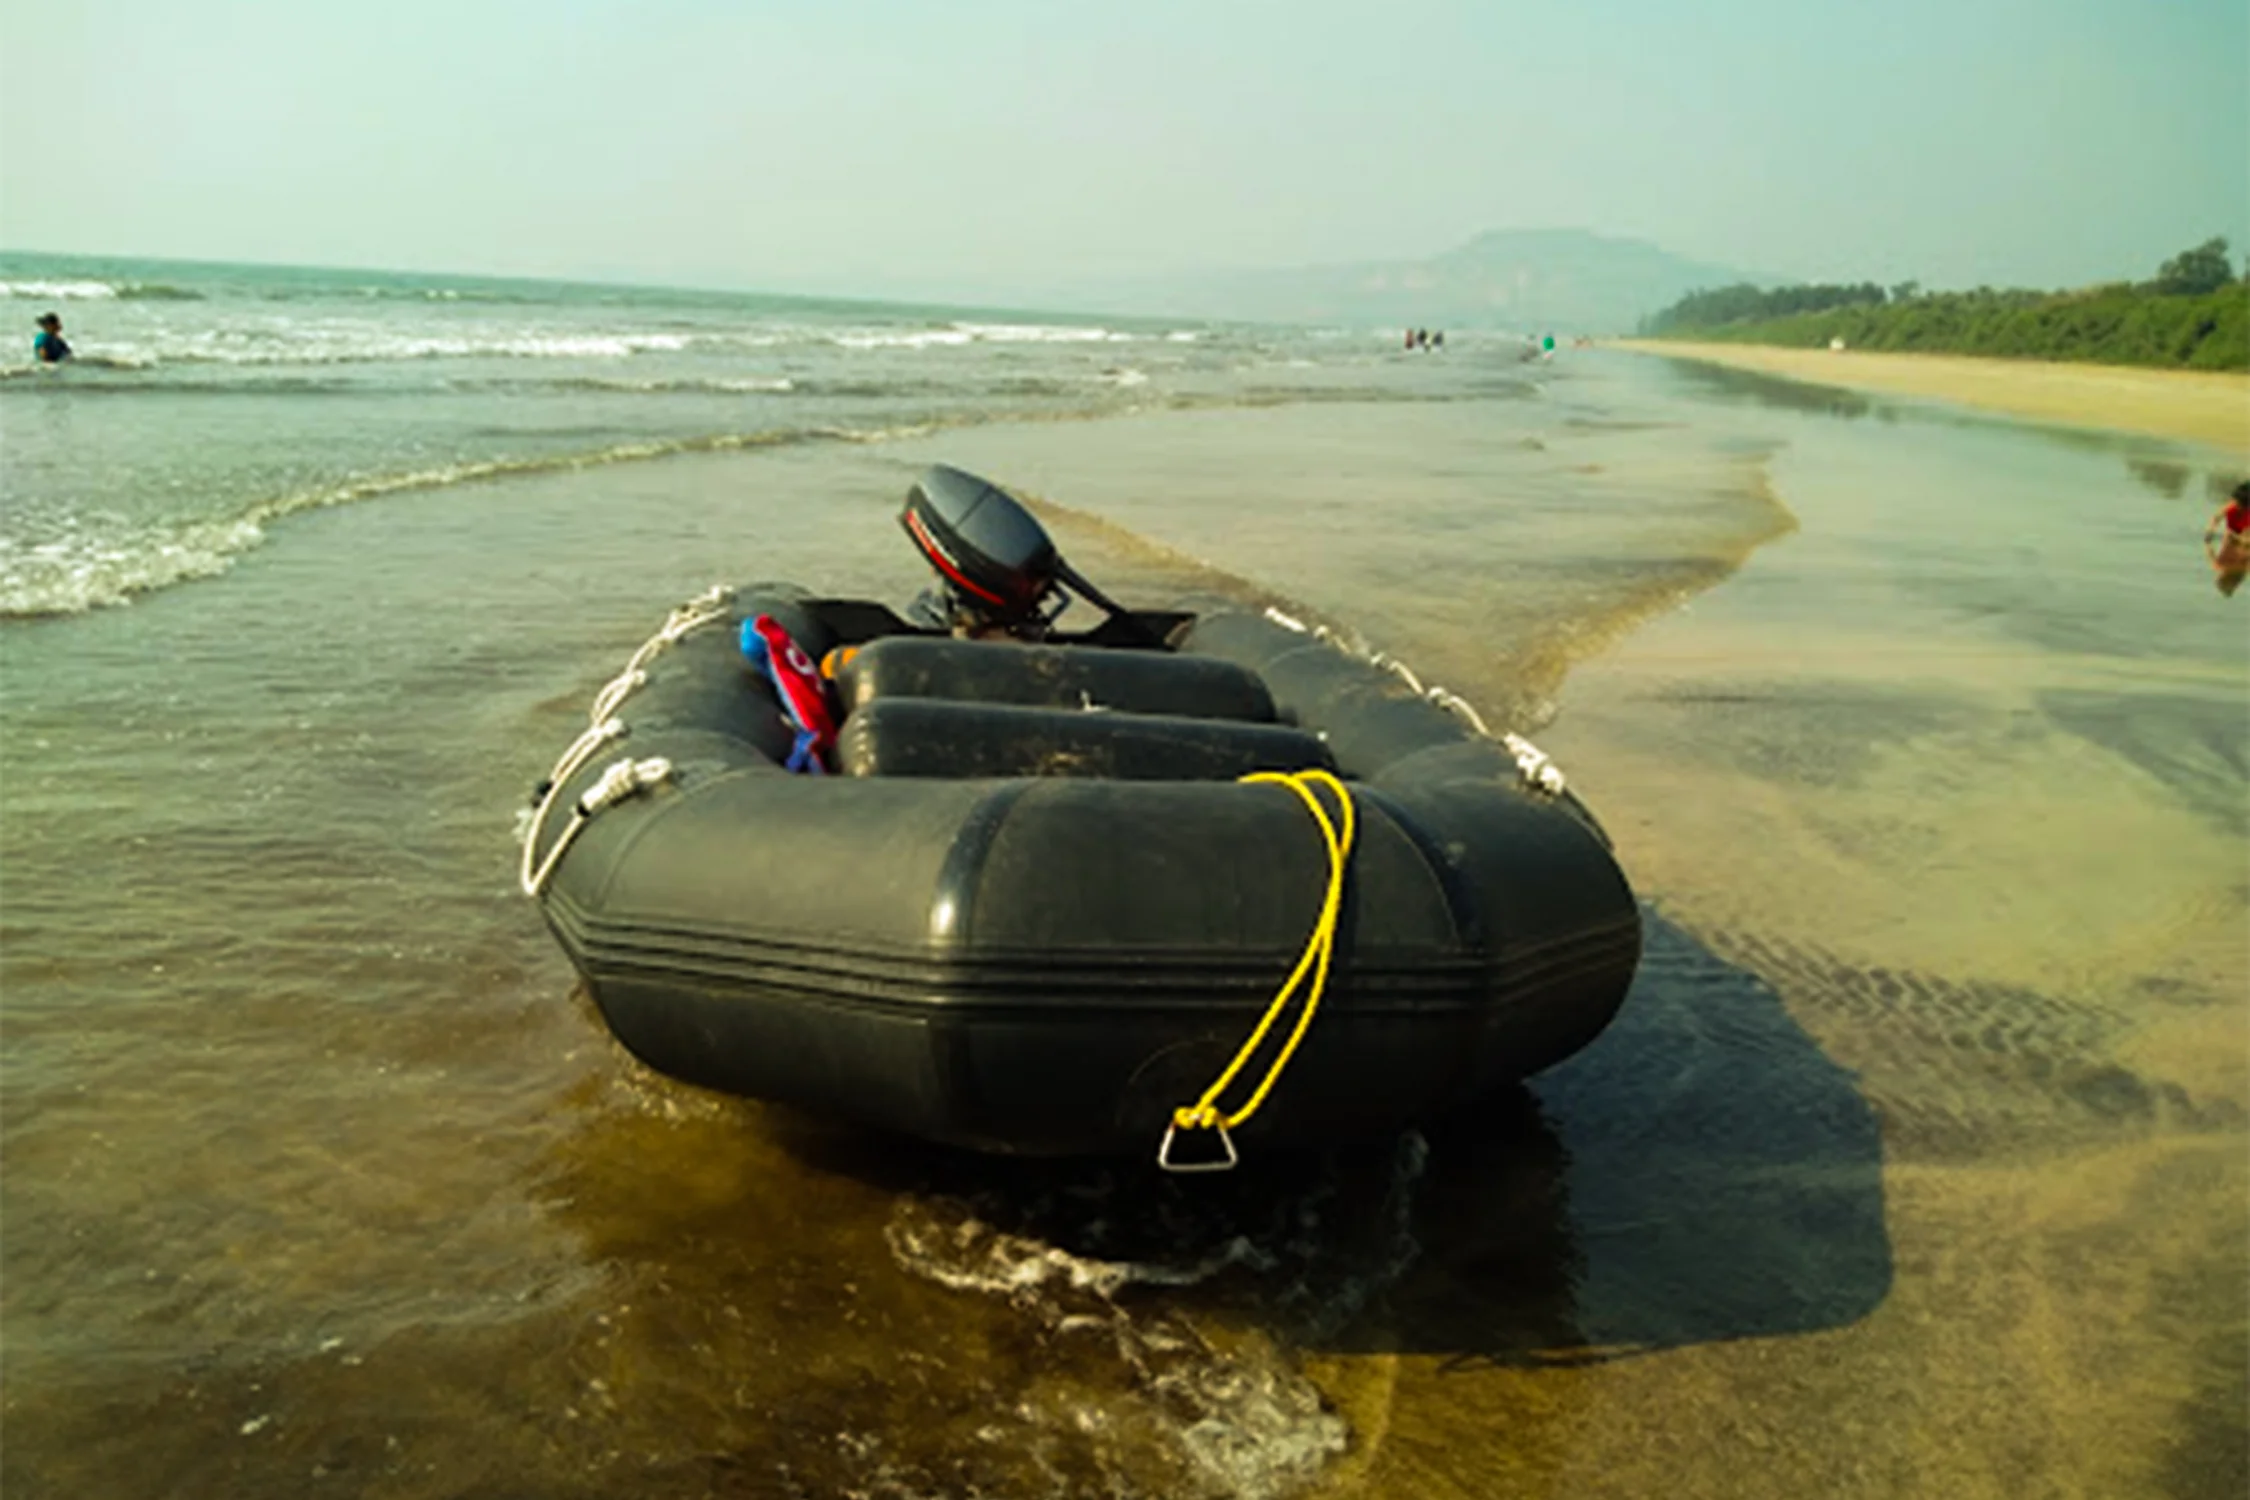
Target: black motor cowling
{"x": 998, "y": 565}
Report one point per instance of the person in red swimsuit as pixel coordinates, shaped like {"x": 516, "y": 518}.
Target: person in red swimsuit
{"x": 2227, "y": 539}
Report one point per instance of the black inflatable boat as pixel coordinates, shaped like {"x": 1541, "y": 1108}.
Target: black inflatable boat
{"x": 1032, "y": 907}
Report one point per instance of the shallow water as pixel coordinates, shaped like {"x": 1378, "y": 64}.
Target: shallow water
{"x": 209, "y": 402}
{"x": 1914, "y": 1163}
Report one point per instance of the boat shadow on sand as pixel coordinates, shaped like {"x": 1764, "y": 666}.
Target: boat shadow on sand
{"x": 1703, "y": 1173}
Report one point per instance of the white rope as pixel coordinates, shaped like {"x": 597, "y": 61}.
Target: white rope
{"x": 1455, "y": 703}
{"x": 705, "y": 607}
{"x": 1385, "y": 659}
{"x": 616, "y": 691}
{"x": 1537, "y": 769}
{"x": 581, "y": 750}
{"x": 619, "y": 781}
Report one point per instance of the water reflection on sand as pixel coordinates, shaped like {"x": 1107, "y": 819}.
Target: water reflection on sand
{"x": 1912, "y": 1165}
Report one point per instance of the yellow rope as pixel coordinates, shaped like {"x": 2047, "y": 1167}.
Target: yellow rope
{"x": 1337, "y": 832}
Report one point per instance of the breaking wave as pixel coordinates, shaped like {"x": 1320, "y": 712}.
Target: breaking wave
{"x": 90, "y": 291}
{"x": 86, "y": 569}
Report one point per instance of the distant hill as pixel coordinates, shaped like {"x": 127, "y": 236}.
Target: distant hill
{"x": 1566, "y": 281}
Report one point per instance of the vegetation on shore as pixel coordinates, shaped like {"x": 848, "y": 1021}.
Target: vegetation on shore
{"x": 2194, "y": 315}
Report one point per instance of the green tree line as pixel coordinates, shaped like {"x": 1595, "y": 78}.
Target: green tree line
{"x": 2193, "y": 314}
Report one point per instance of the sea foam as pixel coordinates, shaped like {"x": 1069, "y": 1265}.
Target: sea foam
{"x": 58, "y": 291}
{"x": 1241, "y": 1419}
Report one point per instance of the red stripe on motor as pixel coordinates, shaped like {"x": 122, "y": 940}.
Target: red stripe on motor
{"x": 945, "y": 564}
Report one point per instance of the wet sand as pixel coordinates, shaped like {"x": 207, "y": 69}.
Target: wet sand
{"x": 2193, "y": 405}
{"x": 1983, "y": 836}
{"x": 1914, "y": 1165}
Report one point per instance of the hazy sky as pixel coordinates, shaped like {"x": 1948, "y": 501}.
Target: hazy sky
{"x": 902, "y": 148}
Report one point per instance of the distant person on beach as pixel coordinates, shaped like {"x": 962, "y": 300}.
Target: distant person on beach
{"x": 48, "y": 345}
{"x": 1437, "y": 339}
{"x": 2227, "y": 539}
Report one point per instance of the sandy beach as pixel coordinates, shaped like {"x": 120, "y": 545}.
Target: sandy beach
{"x": 1914, "y": 1164}
{"x": 2199, "y": 406}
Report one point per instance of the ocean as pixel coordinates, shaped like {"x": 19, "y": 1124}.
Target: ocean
{"x": 1915, "y": 1162}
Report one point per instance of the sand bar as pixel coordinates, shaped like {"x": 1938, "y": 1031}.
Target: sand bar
{"x": 2200, "y": 406}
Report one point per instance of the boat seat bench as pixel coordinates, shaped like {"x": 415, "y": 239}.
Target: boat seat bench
{"x": 940, "y": 737}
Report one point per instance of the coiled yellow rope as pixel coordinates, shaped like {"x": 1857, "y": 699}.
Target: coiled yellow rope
{"x": 1337, "y": 831}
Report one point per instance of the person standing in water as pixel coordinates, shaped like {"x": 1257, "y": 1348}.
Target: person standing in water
{"x": 48, "y": 346}
{"x": 2227, "y": 539}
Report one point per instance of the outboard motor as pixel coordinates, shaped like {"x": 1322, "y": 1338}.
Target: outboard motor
{"x": 998, "y": 571}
